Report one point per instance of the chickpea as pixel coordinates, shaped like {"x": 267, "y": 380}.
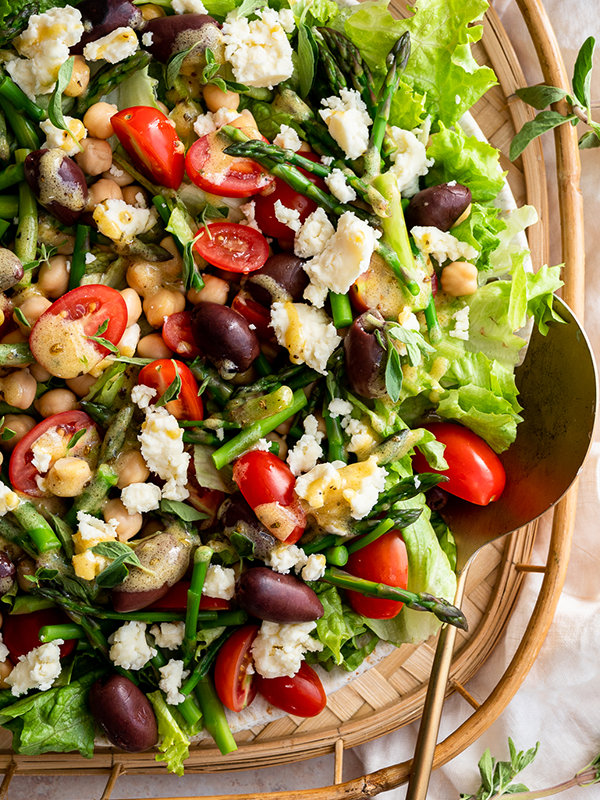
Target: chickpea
{"x": 97, "y": 120}
{"x": 134, "y": 306}
{"x": 151, "y": 11}
{"x": 19, "y": 388}
{"x": 305, "y": 148}
{"x": 162, "y": 107}
{"x": 81, "y": 385}
{"x": 32, "y": 309}
{"x": 215, "y": 290}
{"x": 163, "y": 304}
{"x": 39, "y": 373}
{"x": 53, "y": 277}
{"x": 459, "y": 278}
{"x": 96, "y": 156}
{"x": 80, "y": 77}
{"x": 144, "y": 277}
{"x": 245, "y": 120}
{"x": 216, "y": 98}
{"x": 56, "y": 401}
{"x": 131, "y": 468}
{"x": 135, "y": 195}
{"x": 127, "y": 524}
{"x": 153, "y": 346}
{"x": 151, "y": 528}
{"x": 68, "y": 476}
{"x": 6, "y": 667}
{"x": 26, "y": 566}
{"x": 169, "y": 244}
{"x": 21, "y": 424}
{"x": 104, "y": 189}
{"x": 117, "y": 174}
{"x": 14, "y": 337}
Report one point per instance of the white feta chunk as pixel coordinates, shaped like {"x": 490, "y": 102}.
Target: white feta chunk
{"x": 348, "y": 121}
{"x": 147, "y": 39}
{"x": 57, "y": 137}
{"x": 163, "y": 451}
{"x": 204, "y": 124}
{"x": 3, "y": 650}
{"x": 307, "y": 450}
{"x": 173, "y": 674}
{"x": 409, "y": 161}
{"x": 114, "y": 47}
{"x": 278, "y": 649}
{"x": 336, "y": 182}
{"x": 288, "y": 138}
{"x": 307, "y": 332}
{"x": 37, "y": 670}
{"x": 442, "y": 246}
{"x": 315, "y": 567}
{"x": 287, "y": 216}
{"x": 188, "y": 7}
{"x": 313, "y": 235}
{"x": 141, "y": 395}
{"x": 223, "y": 116}
{"x": 9, "y": 500}
{"x": 139, "y": 498}
{"x": 168, "y": 635}
{"x": 122, "y": 222}
{"x": 339, "y": 408}
{"x": 249, "y": 212}
{"x": 219, "y": 582}
{"x": 129, "y": 648}
{"x": 461, "y": 324}
{"x": 285, "y": 557}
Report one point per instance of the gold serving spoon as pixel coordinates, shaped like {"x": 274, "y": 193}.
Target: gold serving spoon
{"x": 558, "y": 390}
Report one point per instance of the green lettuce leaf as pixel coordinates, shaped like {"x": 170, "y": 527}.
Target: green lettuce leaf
{"x": 478, "y": 370}
{"x": 480, "y": 230}
{"x": 489, "y": 328}
{"x": 466, "y": 160}
{"x": 174, "y": 742}
{"x": 540, "y": 289}
{"x": 270, "y": 119}
{"x": 408, "y": 108}
{"x": 489, "y": 416}
{"x": 510, "y": 254}
{"x": 220, "y": 8}
{"x": 316, "y": 12}
{"x": 337, "y": 625}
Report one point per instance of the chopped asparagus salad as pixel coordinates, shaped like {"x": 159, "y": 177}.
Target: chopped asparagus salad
{"x": 260, "y": 313}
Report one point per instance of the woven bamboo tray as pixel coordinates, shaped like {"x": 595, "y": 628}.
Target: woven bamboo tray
{"x": 391, "y": 694}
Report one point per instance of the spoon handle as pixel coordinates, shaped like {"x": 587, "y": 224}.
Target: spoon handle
{"x": 434, "y": 701}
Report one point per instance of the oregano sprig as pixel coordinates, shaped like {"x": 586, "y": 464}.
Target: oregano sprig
{"x": 55, "y": 113}
{"x": 99, "y": 339}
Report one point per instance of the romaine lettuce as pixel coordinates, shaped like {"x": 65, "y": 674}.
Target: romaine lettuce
{"x": 489, "y": 416}
{"x": 480, "y": 230}
{"x": 174, "y": 742}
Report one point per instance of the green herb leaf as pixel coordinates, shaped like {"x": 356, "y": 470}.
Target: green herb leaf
{"x": 173, "y": 390}
{"x": 104, "y": 342}
{"x": 582, "y": 73}
{"x": 393, "y": 375}
{"x": 181, "y": 510}
{"x": 138, "y": 362}
{"x": 306, "y": 60}
{"x": 589, "y": 140}
{"x": 102, "y": 328}
{"x": 415, "y": 343}
{"x": 75, "y": 438}
{"x": 55, "y": 113}
{"x": 42, "y": 574}
{"x": 7, "y": 434}
{"x": 123, "y": 556}
{"x": 540, "y": 96}
{"x": 211, "y": 68}
{"x": 249, "y": 7}
{"x": 174, "y": 65}
{"x": 545, "y": 121}
{"x": 20, "y": 317}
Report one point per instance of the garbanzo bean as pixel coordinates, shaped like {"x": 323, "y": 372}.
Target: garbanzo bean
{"x": 39, "y": 373}
{"x": 32, "y": 309}
{"x": 26, "y": 566}
{"x": 153, "y": 346}
{"x": 97, "y": 120}
{"x": 6, "y": 667}
{"x": 81, "y": 385}
{"x": 131, "y": 468}
{"x": 134, "y": 305}
{"x": 14, "y": 337}
{"x": 127, "y": 524}
{"x": 96, "y": 156}
{"x": 152, "y": 11}
{"x": 163, "y": 304}
{"x": 20, "y": 424}
{"x": 68, "y": 476}
{"x": 216, "y": 98}
{"x": 135, "y": 195}
{"x": 459, "y": 278}
{"x": 80, "y": 77}
{"x": 19, "y": 388}
{"x": 118, "y": 175}
{"x": 53, "y": 277}
{"x": 215, "y": 290}
{"x": 55, "y": 402}
{"x": 104, "y": 189}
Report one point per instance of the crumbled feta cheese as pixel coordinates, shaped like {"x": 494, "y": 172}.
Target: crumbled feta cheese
{"x": 249, "y": 211}
{"x": 114, "y": 47}
{"x": 442, "y": 246}
{"x": 41, "y": 458}
{"x": 37, "y": 670}
{"x": 287, "y": 20}
{"x": 91, "y": 531}
{"x": 122, "y": 222}
{"x": 307, "y": 450}
{"x": 147, "y": 38}
{"x": 141, "y": 395}
{"x": 258, "y": 51}
{"x": 339, "y": 408}
{"x": 284, "y": 557}
{"x": 130, "y": 649}
{"x": 223, "y": 116}
{"x": 163, "y": 451}
{"x": 278, "y": 649}
{"x": 219, "y": 582}
{"x": 3, "y": 651}
{"x": 314, "y": 484}
{"x": 338, "y": 187}
{"x": 287, "y": 216}
{"x": 9, "y": 500}
{"x": 315, "y": 567}
{"x": 173, "y": 674}
{"x": 347, "y": 255}
{"x": 409, "y": 161}
{"x": 89, "y": 257}
{"x": 138, "y": 498}
{"x": 461, "y": 324}
{"x": 313, "y": 235}
{"x": 361, "y": 439}
{"x": 348, "y": 121}
{"x": 188, "y": 7}
{"x": 168, "y": 635}
{"x": 220, "y": 434}
{"x": 57, "y": 137}
{"x": 307, "y": 332}
{"x": 327, "y": 160}
{"x": 288, "y": 139}
{"x": 363, "y": 499}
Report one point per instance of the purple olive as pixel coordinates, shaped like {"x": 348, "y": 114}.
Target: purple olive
{"x": 7, "y": 573}
{"x": 236, "y": 516}
{"x": 277, "y": 598}
{"x": 365, "y": 357}
{"x": 58, "y": 183}
{"x": 439, "y": 206}
{"x": 282, "y": 278}
{"x": 436, "y": 498}
{"x": 171, "y": 35}
{"x": 11, "y": 269}
{"x": 124, "y": 713}
{"x": 225, "y": 337}
{"x": 100, "y": 19}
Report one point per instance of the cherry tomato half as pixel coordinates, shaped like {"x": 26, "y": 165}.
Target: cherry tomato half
{"x": 176, "y": 600}
{"x": 21, "y": 471}
{"x": 177, "y": 335}
{"x": 267, "y": 484}
{"x": 382, "y": 561}
{"x": 160, "y": 375}
{"x": 20, "y": 632}
{"x": 233, "y": 247}
{"x": 227, "y": 176}
{"x": 60, "y": 339}
{"x": 302, "y": 695}
{"x": 474, "y": 471}
{"x": 235, "y": 687}
{"x": 151, "y": 142}
{"x": 255, "y": 314}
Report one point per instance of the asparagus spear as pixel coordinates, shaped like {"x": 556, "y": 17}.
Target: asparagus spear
{"x": 14, "y": 173}
{"x": 13, "y": 25}
{"x": 333, "y": 73}
{"x": 214, "y": 715}
{"x": 25, "y": 131}
{"x": 11, "y": 92}
{"x": 27, "y": 229}
{"x": 350, "y": 60}
{"x": 109, "y": 77}
{"x": 81, "y": 248}
{"x": 15, "y": 355}
{"x": 202, "y": 558}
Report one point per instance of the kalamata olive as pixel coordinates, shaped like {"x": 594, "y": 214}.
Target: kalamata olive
{"x": 176, "y": 33}
{"x": 282, "y": 278}
{"x": 225, "y": 337}
{"x": 100, "y": 19}
{"x": 7, "y": 573}
{"x": 365, "y": 357}
{"x": 236, "y": 516}
{"x": 124, "y": 713}
{"x": 167, "y": 555}
{"x": 11, "y": 269}
{"x": 58, "y": 183}
{"x": 439, "y": 206}
{"x": 436, "y": 498}
{"x": 277, "y": 598}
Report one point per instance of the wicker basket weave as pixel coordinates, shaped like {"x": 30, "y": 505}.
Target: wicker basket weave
{"x": 391, "y": 694}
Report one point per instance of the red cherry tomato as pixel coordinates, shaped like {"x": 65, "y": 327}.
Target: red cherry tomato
{"x": 235, "y": 687}
{"x": 233, "y": 247}
{"x": 20, "y": 632}
{"x": 302, "y": 695}
{"x": 475, "y": 472}
{"x": 268, "y": 483}
{"x": 265, "y": 205}
{"x": 160, "y": 375}
{"x": 177, "y": 335}
{"x": 176, "y": 600}
{"x": 151, "y": 142}
{"x": 227, "y": 176}
{"x": 382, "y": 561}
{"x": 21, "y": 471}
{"x": 59, "y": 339}
{"x": 255, "y": 314}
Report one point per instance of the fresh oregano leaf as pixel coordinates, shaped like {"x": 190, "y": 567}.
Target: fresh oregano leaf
{"x": 582, "y": 73}
{"x": 249, "y": 7}
{"x": 55, "y": 114}
{"x": 393, "y": 375}
{"x": 20, "y": 317}
{"x": 174, "y": 66}
{"x": 181, "y": 510}
{"x": 7, "y": 434}
{"x": 306, "y": 60}
{"x": 104, "y": 342}
{"x": 75, "y": 438}
{"x": 540, "y": 96}
{"x": 173, "y": 390}
{"x": 545, "y": 121}
{"x": 415, "y": 343}
{"x": 123, "y": 557}
{"x": 211, "y": 68}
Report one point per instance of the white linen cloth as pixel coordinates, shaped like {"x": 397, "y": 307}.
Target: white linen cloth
{"x": 559, "y": 702}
